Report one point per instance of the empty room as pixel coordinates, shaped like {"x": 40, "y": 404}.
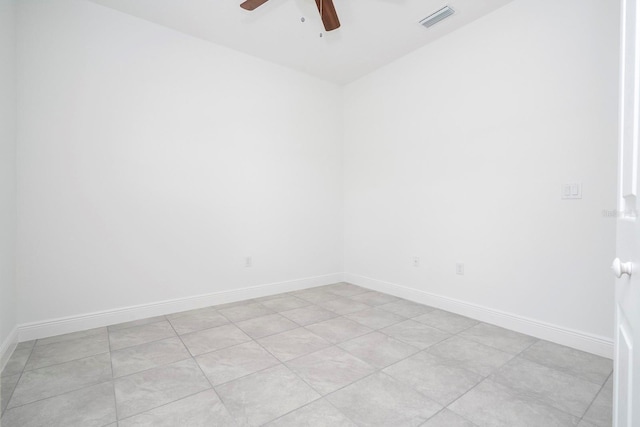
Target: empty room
{"x": 319, "y": 213}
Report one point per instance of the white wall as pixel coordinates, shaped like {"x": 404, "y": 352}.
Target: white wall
{"x": 152, "y": 163}
{"x": 457, "y": 152}
{"x": 7, "y": 171}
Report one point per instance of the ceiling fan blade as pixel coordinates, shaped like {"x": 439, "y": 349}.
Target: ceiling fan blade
{"x": 329, "y": 15}
{"x": 252, "y": 4}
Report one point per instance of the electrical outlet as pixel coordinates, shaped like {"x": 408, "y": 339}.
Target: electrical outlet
{"x": 415, "y": 261}
{"x": 571, "y": 191}
{"x": 248, "y": 262}
{"x": 460, "y": 268}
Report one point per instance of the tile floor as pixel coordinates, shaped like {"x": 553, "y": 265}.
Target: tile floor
{"x": 336, "y": 355}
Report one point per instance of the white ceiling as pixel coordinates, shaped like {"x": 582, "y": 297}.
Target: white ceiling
{"x": 373, "y": 32}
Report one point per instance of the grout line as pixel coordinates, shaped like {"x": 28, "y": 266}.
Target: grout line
{"x": 159, "y": 406}
{"x": 61, "y": 394}
{"x": 6, "y": 408}
{"x": 513, "y": 392}
{"x": 194, "y": 359}
{"x": 98, "y": 332}
{"x": 191, "y": 357}
{"x": 113, "y": 382}
{"x": 67, "y": 361}
{"x": 596, "y": 396}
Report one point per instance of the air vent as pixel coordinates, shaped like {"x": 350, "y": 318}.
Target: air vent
{"x": 438, "y": 16}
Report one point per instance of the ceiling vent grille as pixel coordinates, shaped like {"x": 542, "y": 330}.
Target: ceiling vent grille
{"x": 438, "y": 16}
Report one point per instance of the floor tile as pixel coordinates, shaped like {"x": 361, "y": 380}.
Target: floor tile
{"x": 244, "y": 312}
{"x": 266, "y": 395}
{"x": 379, "y": 400}
{"x": 266, "y": 325}
{"x": 26, "y": 345}
{"x": 446, "y": 418}
{"x": 338, "y": 329}
{"x": 197, "y": 322}
{"x": 330, "y": 369}
{"x": 433, "y": 377}
{"x": 65, "y": 351}
{"x": 445, "y": 321}
{"x": 584, "y": 365}
{"x": 378, "y": 350}
{"x": 491, "y": 404}
{"x": 57, "y": 379}
{"x": 374, "y": 298}
{"x": 375, "y": 318}
{"x": 7, "y": 385}
{"x": 71, "y": 336}
{"x": 214, "y": 339}
{"x": 234, "y": 304}
{"x": 149, "y": 389}
{"x": 16, "y": 363}
{"x": 470, "y": 355}
{"x": 343, "y": 306}
{"x": 406, "y": 308}
{"x": 234, "y": 362}
{"x": 415, "y": 333}
{"x": 137, "y": 335}
{"x": 272, "y": 297}
{"x": 555, "y": 388}
{"x": 502, "y": 339}
{"x": 315, "y": 296}
{"x": 294, "y": 343}
{"x": 326, "y": 288}
{"x": 346, "y": 289}
{"x": 285, "y": 303}
{"x": 319, "y": 413}
{"x": 202, "y": 310}
{"x": 146, "y": 356}
{"x": 87, "y": 407}
{"x": 600, "y": 412}
{"x": 281, "y": 379}
{"x": 139, "y": 322}
{"x": 199, "y": 410}
{"x": 308, "y": 315}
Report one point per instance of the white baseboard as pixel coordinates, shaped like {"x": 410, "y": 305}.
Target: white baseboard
{"x": 576, "y": 339}
{"x": 82, "y": 322}
{"x": 7, "y": 347}
{"x": 571, "y": 338}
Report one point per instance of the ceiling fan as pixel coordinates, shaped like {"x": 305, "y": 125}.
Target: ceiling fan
{"x": 325, "y": 7}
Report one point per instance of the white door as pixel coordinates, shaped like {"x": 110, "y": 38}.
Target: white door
{"x": 626, "y": 407}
